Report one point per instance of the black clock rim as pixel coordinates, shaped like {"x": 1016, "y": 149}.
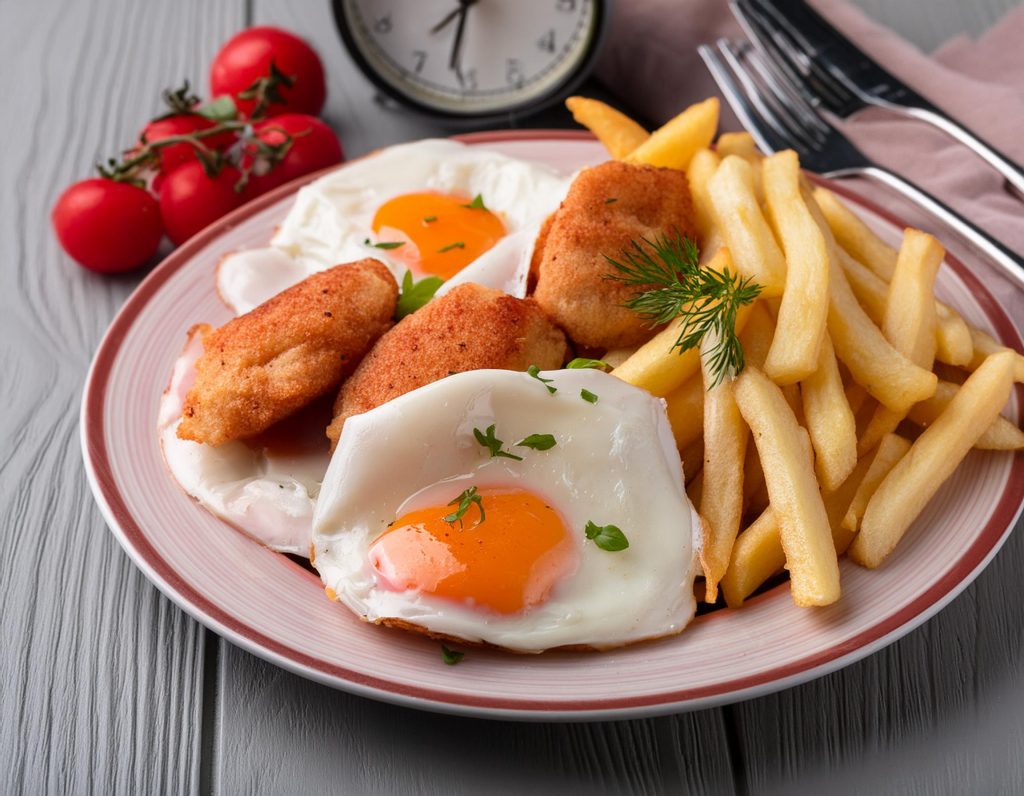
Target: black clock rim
{"x": 602, "y": 15}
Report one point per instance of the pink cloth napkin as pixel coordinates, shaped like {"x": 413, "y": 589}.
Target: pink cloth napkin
{"x": 650, "y": 61}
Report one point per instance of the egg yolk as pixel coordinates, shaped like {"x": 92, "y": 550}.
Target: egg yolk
{"x": 439, "y": 234}
{"x": 508, "y": 563}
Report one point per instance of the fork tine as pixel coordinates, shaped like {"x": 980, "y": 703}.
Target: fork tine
{"x": 791, "y": 100}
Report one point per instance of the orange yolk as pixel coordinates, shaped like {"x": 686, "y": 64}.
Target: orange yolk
{"x": 508, "y": 562}
{"x": 441, "y": 235}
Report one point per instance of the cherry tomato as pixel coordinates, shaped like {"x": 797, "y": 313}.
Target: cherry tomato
{"x": 190, "y": 200}
{"x": 246, "y": 58}
{"x": 183, "y": 124}
{"x": 314, "y": 147}
{"x": 107, "y": 226}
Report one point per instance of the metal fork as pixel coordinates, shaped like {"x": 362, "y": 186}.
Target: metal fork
{"x": 779, "y": 117}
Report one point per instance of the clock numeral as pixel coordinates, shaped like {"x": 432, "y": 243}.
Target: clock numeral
{"x": 420, "y": 58}
{"x": 566, "y": 6}
{"x": 514, "y": 73}
{"x": 467, "y": 80}
{"x": 547, "y": 41}
{"x": 383, "y": 25}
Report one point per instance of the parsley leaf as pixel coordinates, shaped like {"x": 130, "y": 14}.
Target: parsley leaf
{"x": 588, "y": 396}
{"x": 610, "y": 201}
{"x": 457, "y": 245}
{"x": 387, "y": 244}
{"x": 451, "y": 657}
{"x": 539, "y": 442}
{"x": 493, "y": 444}
{"x": 465, "y": 500}
{"x": 429, "y": 219}
{"x": 476, "y": 204}
{"x": 534, "y": 371}
{"x": 596, "y": 364}
{"x": 415, "y": 294}
{"x": 607, "y": 537}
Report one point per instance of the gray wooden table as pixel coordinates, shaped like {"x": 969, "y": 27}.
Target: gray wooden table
{"x": 105, "y": 686}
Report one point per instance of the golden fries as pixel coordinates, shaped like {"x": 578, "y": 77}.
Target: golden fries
{"x": 619, "y": 134}
{"x": 725, "y": 447}
{"x": 743, "y": 227}
{"x": 931, "y": 460}
{"x": 984, "y": 346}
{"x": 674, "y": 143}
{"x": 792, "y": 488}
{"x": 756, "y": 556}
{"x": 703, "y": 165}
{"x": 800, "y": 325}
{"x": 1002, "y": 435}
{"x": 829, "y": 419}
{"x": 685, "y": 407}
{"x": 890, "y": 450}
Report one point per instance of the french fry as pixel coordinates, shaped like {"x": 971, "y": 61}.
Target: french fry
{"x": 1002, "y": 435}
{"x": 738, "y": 216}
{"x": 674, "y": 143}
{"x": 692, "y": 457}
{"x": 932, "y": 458}
{"x": 616, "y": 356}
{"x": 985, "y": 345}
{"x": 657, "y": 366}
{"x": 702, "y": 167}
{"x": 756, "y": 556}
{"x": 755, "y": 491}
{"x": 803, "y": 312}
{"x": 855, "y": 395}
{"x": 725, "y": 447}
{"x": 890, "y": 450}
{"x": 910, "y": 319}
{"x": 685, "y": 406}
{"x": 792, "y": 488}
{"x": 756, "y": 337}
{"x": 952, "y": 337}
{"x": 742, "y": 145}
{"x": 829, "y": 420}
{"x": 619, "y": 133}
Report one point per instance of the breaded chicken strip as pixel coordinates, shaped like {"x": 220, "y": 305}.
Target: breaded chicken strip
{"x": 469, "y": 328}
{"x": 260, "y": 367}
{"x": 607, "y": 207}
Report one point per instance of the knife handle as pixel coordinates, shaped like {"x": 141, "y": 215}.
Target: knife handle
{"x": 1013, "y": 173}
{"x": 1009, "y": 262}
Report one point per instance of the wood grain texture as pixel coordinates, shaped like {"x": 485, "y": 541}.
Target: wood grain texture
{"x": 100, "y": 676}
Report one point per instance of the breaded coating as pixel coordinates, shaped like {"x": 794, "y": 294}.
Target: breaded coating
{"x": 607, "y": 207}
{"x": 262, "y": 366}
{"x": 469, "y": 328}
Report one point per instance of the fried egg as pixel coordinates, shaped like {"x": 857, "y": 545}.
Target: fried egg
{"x": 433, "y": 207}
{"x": 419, "y": 526}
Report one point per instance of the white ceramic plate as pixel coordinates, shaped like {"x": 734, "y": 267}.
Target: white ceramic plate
{"x": 273, "y": 607}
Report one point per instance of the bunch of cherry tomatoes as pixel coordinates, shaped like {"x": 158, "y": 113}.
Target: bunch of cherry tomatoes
{"x": 198, "y": 161}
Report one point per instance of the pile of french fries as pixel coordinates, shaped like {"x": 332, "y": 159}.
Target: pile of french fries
{"x": 861, "y": 392}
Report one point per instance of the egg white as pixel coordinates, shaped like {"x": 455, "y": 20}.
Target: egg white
{"x": 332, "y": 218}
{"x": 615, "y": 462}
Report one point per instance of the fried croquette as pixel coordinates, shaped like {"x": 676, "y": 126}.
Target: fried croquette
{"x": 262, "y": 366}
{"x": 607, "y": 207}
{"x": 469, "y": 328}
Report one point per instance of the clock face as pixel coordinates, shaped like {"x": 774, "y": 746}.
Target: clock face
{"x": 471, "y": 56}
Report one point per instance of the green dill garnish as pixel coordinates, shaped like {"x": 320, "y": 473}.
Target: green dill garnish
{"x": 539, "y": 442}
{"x": 476, "y": 204}
{"x": 588, "y": 396}
{"x": 415, "y": 294}
{"x": 704, "y": 299}
{"x": 457, "y": 245}
{"x": 582, "y": 362}
{"x": 392, "y": 244}
{"x": 464, "y": 501}
{"x": 429, "y": 219}
{"x": 607, "y": 537}
{"x": 534, "y": 371}
{"x": 610, "y": 201}
{"x": 493, "y": 444}
{"x": 451, "y": 657}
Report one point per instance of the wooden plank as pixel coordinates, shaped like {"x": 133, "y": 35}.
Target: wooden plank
{"x": 100, "y": 676}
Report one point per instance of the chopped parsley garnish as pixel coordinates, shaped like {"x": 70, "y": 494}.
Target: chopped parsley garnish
{"x": 588, "y": 396}
{"x": 476, "y": 204}
{"x": 429, "y": 219}
{"x": 415, "y": 294}
{"x": 493, "y": 444}
{"x": 610, "y": 201}
{"x": 705, "y": 299}
{"x": 581, "y": 362}
{"x": 539, "y": 442}
{"x": 534, "y": 371}
{"x": 457, "y": 245}
{"x": 464, "y": 501}
{"x": 451, "y": 657}
{"x": 386, "y": 244}
{"x": 607, "y": 537}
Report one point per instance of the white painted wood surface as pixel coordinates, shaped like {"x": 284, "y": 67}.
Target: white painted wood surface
{"x": 106, "y": 687}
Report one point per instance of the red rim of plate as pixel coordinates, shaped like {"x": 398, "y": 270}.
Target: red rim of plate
{"x": 134, "y": 540}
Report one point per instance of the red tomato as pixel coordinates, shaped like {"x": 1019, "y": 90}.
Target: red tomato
{"x": 107, "y": 226}
{"x": 190, "y": 201}
{"x": 247, "y": 57}
{"x": 314, "y": 147}
{"x": 175, "y": 155}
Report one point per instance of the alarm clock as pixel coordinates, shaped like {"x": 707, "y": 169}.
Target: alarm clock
{"x": 473, "y": 60}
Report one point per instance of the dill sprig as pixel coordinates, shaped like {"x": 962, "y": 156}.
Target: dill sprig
{"x": 705, "y": 299}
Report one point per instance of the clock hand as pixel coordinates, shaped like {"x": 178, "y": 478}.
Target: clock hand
{"x": 450, "y": 16}
{"x": 455, "y": 61}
